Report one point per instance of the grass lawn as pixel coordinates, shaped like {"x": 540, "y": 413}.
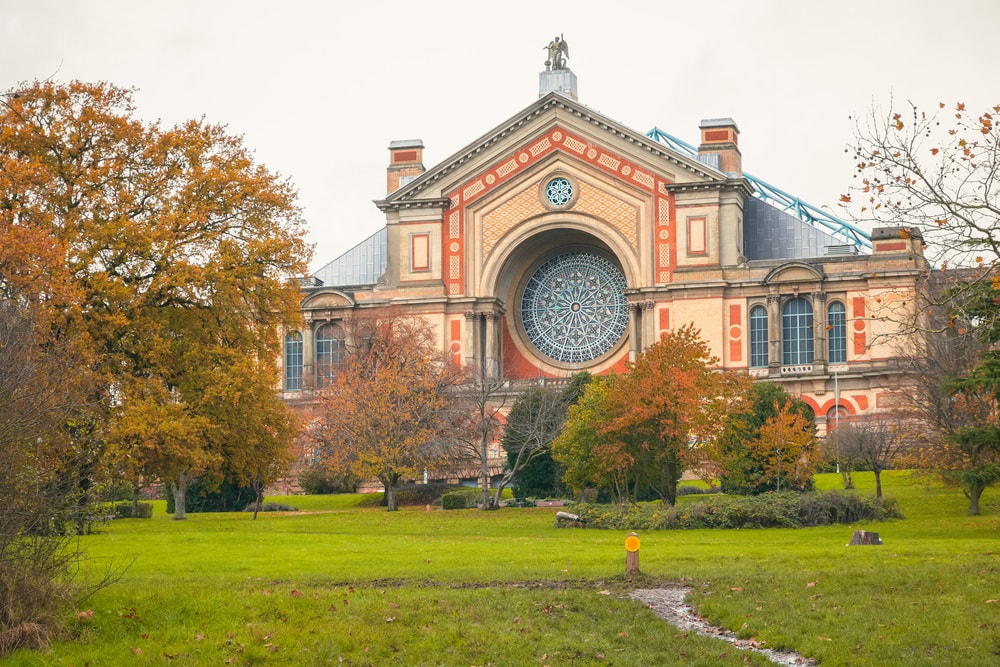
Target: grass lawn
{"x": 336, "y": 584}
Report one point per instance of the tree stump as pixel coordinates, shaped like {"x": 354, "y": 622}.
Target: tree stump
{"x": 864, "y": 537}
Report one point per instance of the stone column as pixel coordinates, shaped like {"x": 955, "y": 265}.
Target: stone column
{"x": 492, "y": 351}
{"x": 820, "y": 334}
{"x": 634, "y": 330}
{"x": 648, "y": 323}
{"x": 470, "y": 342}
{"x": 774, "y": 333}
{"x": 309, "y": 353}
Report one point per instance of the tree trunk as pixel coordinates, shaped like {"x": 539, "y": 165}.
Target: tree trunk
{"x": 179, "y": 487}
{"x": 390, "y": 497}
{"x": 974, "y": 492}
{"x": 135, "y": 502}
{"x": 878, "y": 483}
{"x": 258, "y": 496}
{"x": 485, "y": 472}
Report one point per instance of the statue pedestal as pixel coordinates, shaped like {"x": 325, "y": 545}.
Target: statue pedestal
{"x": 559, "y": 81}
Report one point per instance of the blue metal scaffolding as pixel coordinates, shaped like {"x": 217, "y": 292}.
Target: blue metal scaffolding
{"x": 781, "y": 200}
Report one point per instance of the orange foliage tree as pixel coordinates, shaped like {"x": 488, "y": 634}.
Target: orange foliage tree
{"x": 385, "y": 415}
{"x": 166, "y": 251}
{"x": 658, "y": 420}
{"x": 786, "y": 448}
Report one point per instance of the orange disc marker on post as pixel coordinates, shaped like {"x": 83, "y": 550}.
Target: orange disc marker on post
{"x": 632, "y": 555}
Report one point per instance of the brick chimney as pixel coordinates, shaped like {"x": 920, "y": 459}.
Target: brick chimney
{"x": 889, "y": 240}
{"x": 405, "y": 163}
{"x": 718, "y": 137}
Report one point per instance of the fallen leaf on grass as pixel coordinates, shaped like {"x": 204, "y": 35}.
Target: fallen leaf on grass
{"x": 604, "y": 592}
{"x": 738, "y": 588}
{"x": 811, "y": 584}
{"x": 623, "y": 634}
{"x": 136, "y": 651}
{"x": 824, "y": 639}
{"x": 296, "y": 593}
{"x": 86, "y": 615}
{"x": 990, "y": 601}
{"x": 198, "y": 638}
{"x": 390, "y": 619}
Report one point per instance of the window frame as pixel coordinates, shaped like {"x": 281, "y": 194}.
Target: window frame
{"x": 294, "y": 350}
{"x": 758, "y": 347}
{"x": 836, "y": 347}
{"x": 797, "y": 332}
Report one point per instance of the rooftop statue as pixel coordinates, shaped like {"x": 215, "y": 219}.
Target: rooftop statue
{"x": 558, "y": 52}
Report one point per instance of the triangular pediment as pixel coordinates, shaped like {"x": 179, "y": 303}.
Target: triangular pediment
{"x": 553, "y": 124}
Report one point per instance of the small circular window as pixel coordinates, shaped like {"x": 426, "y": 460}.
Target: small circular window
{"x": 559, "y": 191}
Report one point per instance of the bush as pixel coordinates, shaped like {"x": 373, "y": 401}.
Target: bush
{"x": 768, "y": 510}
{"x": 124, "y": 511}
{"x": 688, "y": 490}
{"x": 204, "y": 497}
{"x": 410, "y": 495}
{"x": 316, "y": 479}
{"x": 461, "y": 499}
{"x": 271, "y": 507}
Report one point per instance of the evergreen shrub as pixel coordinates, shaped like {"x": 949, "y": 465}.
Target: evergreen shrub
{"x": 124, "y": 510}
{"x": 768, "y": 510}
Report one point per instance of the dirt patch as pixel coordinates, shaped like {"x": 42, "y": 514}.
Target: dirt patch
{"x": 668, "y": 604}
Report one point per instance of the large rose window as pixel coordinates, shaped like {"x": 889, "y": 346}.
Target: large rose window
{"x": 573, "y": 308}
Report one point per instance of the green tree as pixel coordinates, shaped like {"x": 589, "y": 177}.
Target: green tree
{"x": 742, "y": 461}
{"x": 590, "y": 457}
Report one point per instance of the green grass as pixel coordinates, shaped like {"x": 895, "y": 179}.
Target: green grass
{"x": 339, "y": 584}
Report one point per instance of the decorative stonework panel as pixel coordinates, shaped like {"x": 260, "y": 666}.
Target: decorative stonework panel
{"x": 604, "y": 205}
{"x": 665, "y": 249}
{"x": 502, "y": 219}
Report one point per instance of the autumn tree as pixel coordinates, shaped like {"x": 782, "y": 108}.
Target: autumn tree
{"x": 663, "y": 416}
{"x": 178, "y": 249}
{"x": 385, "y": 415}
{"x": 744, "y": 457}
{"x": 786, "y": 449}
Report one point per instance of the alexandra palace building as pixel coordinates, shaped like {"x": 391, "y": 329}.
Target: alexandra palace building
{"x": 562, "y": 241}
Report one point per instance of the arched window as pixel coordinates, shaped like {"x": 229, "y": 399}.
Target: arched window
{"x": 330, "y": 350}
{"x": 796, "y": 332}
{"x": 293, "y": 361}
{"x": 758, "y": 337}
{"x": 836, "y": 417}
{"x": 836, "y": 322}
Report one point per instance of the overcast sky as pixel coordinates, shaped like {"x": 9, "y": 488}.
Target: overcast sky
{"x": 319, "y": 89}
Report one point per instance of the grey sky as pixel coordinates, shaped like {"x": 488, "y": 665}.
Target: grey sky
{"x": 319, "y": 89}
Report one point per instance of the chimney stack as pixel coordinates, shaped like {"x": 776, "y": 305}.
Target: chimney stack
{"x": 405, "y": 163}
{"x": 718, "y": 137}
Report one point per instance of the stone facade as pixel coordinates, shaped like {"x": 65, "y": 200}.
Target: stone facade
{"x": 469, "y": 243}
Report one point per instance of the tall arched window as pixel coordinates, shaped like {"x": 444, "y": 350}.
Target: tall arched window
{"x": 293, "y": 361}
{"x": 836, "y": 322}
{"x": 330, "y": 350}
{"x": 758, "y": 337}
{"x": 796, "y": 332}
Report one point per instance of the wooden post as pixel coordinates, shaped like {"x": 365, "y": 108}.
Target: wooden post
{"x": 632, "y": 555}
